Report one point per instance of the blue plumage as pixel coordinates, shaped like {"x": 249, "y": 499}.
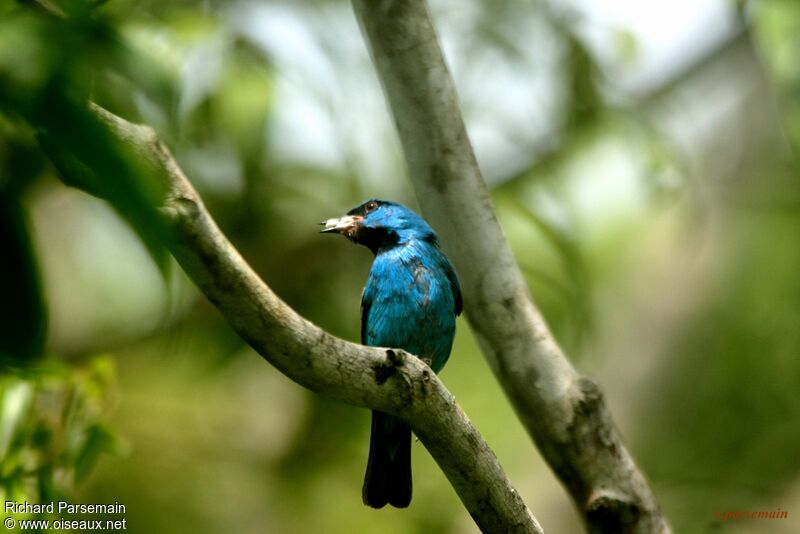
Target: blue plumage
{"x": 410, "y": 301}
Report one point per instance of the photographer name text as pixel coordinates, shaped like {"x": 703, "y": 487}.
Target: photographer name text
{"x": 62, "y": 507}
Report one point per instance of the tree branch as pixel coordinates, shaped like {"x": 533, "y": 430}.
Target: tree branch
{"x": 563, "y": 411}
{"x": 384, "y": 379}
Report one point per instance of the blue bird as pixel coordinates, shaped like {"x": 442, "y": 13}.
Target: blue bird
{"x": 410, "y": 302}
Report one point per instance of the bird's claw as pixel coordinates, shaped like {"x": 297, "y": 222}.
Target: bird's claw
{"x": 396, "y": 358}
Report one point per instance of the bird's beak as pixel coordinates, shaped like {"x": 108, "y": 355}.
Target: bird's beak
{"x": 343, "y": 225}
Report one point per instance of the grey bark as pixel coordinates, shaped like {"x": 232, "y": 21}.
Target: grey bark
{"x": 379, "y": 378}
{"x": 563, "y": 411}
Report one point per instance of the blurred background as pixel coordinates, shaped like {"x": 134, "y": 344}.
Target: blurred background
{"x": 643, "y": 162}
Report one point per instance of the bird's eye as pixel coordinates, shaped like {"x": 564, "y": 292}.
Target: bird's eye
{"x": 371, "y": 206}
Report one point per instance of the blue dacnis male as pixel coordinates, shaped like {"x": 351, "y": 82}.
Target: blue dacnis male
{"x": 410, "y": 302}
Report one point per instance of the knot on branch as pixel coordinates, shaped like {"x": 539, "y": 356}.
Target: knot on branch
{"x": 591, "y": 428}
{"x": 591, "y": 395}
{"x": 587, "y": 406}
{"x": 384, "y": 370}
{"x": 181, "y": 209}
{"x": 608, "y": 511}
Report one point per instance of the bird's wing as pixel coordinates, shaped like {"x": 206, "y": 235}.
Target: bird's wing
{"x": 455, "y": 285}
{"x": 367, "y": 297}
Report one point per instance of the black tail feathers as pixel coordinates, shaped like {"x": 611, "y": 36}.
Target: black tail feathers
{"x": 388, "y": 477}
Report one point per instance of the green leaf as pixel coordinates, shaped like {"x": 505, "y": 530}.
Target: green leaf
{"x": 15, "y": 402}
{"x": 99, "y": 440}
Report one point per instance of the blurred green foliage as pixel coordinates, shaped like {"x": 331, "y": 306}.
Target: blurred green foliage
{"x": 661, "y": 250}
{"x": 52, "y": 429}
{"x": 778, "y": 31}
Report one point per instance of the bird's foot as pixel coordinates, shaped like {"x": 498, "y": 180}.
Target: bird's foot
{"x": 394, "y": 359}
